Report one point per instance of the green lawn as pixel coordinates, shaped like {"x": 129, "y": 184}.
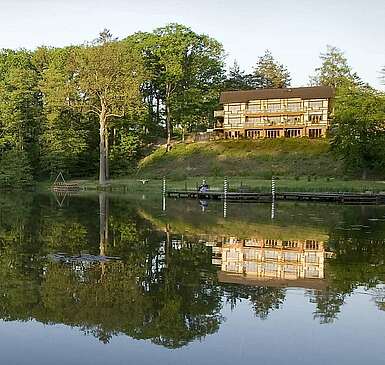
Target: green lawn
{"x": 247, "y": 158}
{"x": 248, "y": 184}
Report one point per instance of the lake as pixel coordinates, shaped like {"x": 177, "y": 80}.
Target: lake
{"x": 115, "y": 279}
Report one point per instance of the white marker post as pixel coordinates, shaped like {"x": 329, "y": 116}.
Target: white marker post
{"x": 225, "y": 188}
{"x": 164, "y": 195}
{"x": 272, "y": 197}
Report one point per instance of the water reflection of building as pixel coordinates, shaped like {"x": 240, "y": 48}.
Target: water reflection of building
{"x": 279, "y": 261}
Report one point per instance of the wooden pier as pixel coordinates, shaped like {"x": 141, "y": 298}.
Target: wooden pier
{"x": 343, "y": 198}
{"x": 61, "y": 186}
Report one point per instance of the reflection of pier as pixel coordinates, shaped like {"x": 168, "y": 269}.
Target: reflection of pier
{"x": 344, "y": 198}
{"x": 297, "y": 263}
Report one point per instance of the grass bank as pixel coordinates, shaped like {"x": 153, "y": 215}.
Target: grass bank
{"x": 289, "y": 158}
{"x": 154, "y": 186}
{"x": 302, "y": 165}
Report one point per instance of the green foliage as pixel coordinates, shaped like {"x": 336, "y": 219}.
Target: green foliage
{"x": 268, "y": 73}
{"x": 186, "y": 73}
{"x": 358, "y": 134}
{"x": 237, "y": 79}
{"x": 334, "y": 70}
{"x": 15, "y": 169}
{"x": 20, "y": 105}
{"x": 125, "y": 153}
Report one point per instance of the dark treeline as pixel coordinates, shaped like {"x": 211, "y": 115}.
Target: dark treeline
{"x": 100, "y": 106}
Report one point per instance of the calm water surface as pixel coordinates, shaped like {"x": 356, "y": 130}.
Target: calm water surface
{"x": 98, "y": 279}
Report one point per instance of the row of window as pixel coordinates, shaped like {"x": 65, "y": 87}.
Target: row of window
{"x": 275, "y": 107}
{"x": 235, "y": 120}
{"x": 273, "y": 133}
{"x": 251, "y": 267}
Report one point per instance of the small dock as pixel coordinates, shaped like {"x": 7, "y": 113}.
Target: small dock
{"x": 65, "y": 187}
{"x": 61, "y": 186}
{"x": 343, "y": 198}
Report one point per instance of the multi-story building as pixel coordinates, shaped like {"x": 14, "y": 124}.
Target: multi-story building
{"x": 273, "y": 113}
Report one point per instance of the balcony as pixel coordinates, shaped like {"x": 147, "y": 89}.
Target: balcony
{"x": 219, "y": 113}
{"x": 270, "y": 112}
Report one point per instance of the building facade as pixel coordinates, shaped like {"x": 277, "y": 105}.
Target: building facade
{"x": 274, "y": 113}
{"x": 268, "y": 258}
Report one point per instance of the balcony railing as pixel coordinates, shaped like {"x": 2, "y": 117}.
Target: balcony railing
{"x": 274, "y": 112}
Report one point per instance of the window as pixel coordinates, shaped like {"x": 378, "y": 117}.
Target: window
{"x": 235, "y": 108}
{"x": 290, "y": 256}
{"x": 234, "y": 121}
{"x": 274, "y": 107}
{"x": 294, "y": 107}
{"x": 250, "y": 254}
{"x": 253, "y": 120}
{"x": 274, "y": 120}
{"x": 234, "y": 134}
{"x": 315, "y": 133}
{"x": 292, "y": 133}
{"x": 254, "y": 108}
{"x": 293, "y": 119}
{"x": 232, "y": 255}
{"x": 253, "y": 133}
{"x": 311, "y": 245}
{"x": 312, "y": 257}
{"x": 290, "y": 269}
{"x": 271, "y": 267}
{"x": 312, "y": 272}
{"x": 315, "y": 118}
{"x": 317, "y": 104}
{"x": 251, "y": 267}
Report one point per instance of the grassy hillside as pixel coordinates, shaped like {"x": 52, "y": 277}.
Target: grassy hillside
{"x": 247, "y": 158}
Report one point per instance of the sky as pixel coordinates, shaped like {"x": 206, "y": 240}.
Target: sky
{"x": 295, "y": 31}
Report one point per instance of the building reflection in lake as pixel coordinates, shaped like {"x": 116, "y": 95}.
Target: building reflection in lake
{"x": 270, "y": 262}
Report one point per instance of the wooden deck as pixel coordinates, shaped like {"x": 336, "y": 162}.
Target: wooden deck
{"x": 344, "y": 198}
{"x": 66, "y": 187}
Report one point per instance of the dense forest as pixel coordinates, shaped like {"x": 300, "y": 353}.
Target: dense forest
{"x": 100, "y": 106}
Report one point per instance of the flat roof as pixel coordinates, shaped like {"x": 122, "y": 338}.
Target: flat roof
{"x": 243, "y": 96}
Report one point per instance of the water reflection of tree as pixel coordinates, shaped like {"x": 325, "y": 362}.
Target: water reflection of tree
{"x": 170, "y": 299}
{"x": 164, "y": 288}
{"x": 263, "y": 299}
{"x": 328, "y": 305}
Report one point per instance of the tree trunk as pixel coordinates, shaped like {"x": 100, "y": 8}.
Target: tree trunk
{"x": 102, "y": 148}
{"x": 364, "y": 173}
{"x": 157, "y": 110}
{"x": 103, "y": 222}
{"x": 168, "y": 126}
{"x": 103, "y": 227}
{"x": 107, "y": 153}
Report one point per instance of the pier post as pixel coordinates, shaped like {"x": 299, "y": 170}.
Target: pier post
{"x": 164, "y": 194}
{"x": 225, "y": 188}
{"x": 272, "y": 197}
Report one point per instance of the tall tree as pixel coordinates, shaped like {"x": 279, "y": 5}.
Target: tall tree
{"x": 20, "y": 105}
{"x": 382, "y": 77}
{"x": 358, "y": 131}
{"x": 334, "y": 70}
{"x": 268, "y": 73}
{"x": 237, "y": 79}
{"x": 67, "y": 135}
{"x": 105, "y": 81}
{"x": 182, "y": 61}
